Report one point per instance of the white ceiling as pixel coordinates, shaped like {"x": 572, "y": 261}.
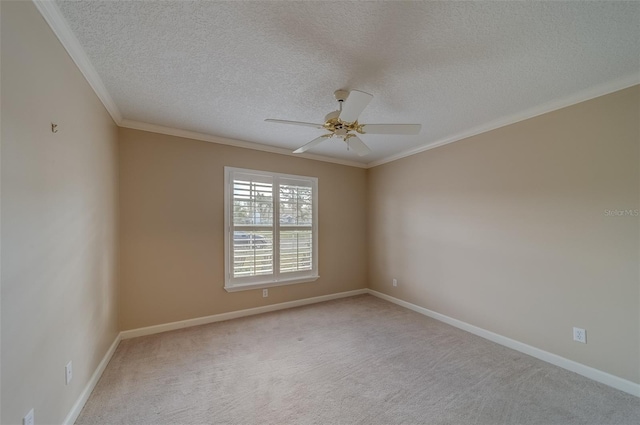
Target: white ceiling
{"x": 221, "y": 68}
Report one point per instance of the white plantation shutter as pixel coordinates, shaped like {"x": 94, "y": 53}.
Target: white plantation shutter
{"x": 251, "y": 226}
{"x": 296, "y": 225}
{"x": 271, "y": 229}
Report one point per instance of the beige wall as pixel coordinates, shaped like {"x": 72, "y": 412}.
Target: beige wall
{"x": 59, "y": 206}
{"x": 507, "y": 231}
{"x": 172, "y": 220}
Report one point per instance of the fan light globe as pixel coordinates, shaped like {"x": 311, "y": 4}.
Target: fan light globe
{"x": 331, "y": 115}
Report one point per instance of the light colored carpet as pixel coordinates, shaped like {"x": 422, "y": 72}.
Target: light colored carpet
{"x": 357, "y": 360}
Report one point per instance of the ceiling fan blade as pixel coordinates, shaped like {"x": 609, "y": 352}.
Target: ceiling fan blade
{"x": 304, "y": 124}
{"x": 354, "y": 105}
{"x": 312, "y": 143}
{"x": 403, "y": 129}
{"x": 357, "y": 146}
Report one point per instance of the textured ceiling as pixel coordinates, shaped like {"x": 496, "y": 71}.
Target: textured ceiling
{"x": 221, "y": 68}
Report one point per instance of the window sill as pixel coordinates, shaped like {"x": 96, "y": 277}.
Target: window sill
{"x": 250, "y": 286}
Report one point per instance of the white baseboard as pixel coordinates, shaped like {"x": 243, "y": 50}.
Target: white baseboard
{"x": 133, "y": 333}
{"x": 584, "y": 370}
{"x": 579, "y": 368}
{"x": 84, "y": 396}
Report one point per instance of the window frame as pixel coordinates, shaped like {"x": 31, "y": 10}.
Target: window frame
{"x": 277, "y": 278}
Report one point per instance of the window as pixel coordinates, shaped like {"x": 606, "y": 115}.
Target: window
{"x": 271, "y": 230}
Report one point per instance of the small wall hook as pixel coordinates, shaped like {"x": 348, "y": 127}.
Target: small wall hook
{"x": 54, "y": 128}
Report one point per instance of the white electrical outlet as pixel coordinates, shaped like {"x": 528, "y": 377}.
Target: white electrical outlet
{"x": 265, "y": 293}
{"x": 580, "y": 335}
{"x": 395, "y": 282}
{"x": 28, "y": 419}
{"x": 68, "y": 373}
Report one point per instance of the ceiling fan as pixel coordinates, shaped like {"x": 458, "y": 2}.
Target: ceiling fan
{"x": 344, "y": 124}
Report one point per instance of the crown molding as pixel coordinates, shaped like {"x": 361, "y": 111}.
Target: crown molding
{"x": 187, "y": 134}
{"x": 52, "y": 15}
{"x": 583, "y": 96}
